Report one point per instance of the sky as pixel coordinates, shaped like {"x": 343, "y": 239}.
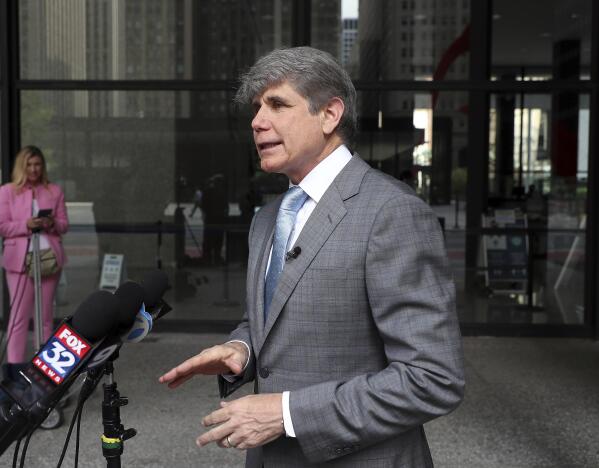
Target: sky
{"x": 349, "y": 8}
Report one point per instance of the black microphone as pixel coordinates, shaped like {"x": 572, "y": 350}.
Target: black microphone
{"x": 133, "y": 298}
{"x": 129, "y": 297}
{"x": 155, "y": 284}
{"x": 55, "y": 367}
{"x": 139, "y": 307}
{"x": 293, "y": 253}
{"x": 96, "y": 315}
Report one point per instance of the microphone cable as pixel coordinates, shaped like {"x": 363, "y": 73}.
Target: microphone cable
{"x": 24, "y": 452}
{"x": 35, "y": 428}
{"x": 15, "y": 456}
{"x": 70, "y": 431}
{"x": 87, "y": 388}
{"x": 77, "y": 437}
{"x": 6, "y": 333}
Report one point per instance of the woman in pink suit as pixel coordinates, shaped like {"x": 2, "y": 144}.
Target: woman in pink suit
{"x": 20, "y": 201}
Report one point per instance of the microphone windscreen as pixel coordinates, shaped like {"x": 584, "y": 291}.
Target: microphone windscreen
{"x": 154, "y": 283}
{"x": 96, "y": 315}
{"x": 130, "y": 296}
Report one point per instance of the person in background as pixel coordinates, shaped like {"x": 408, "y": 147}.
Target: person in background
{"x": 216, "y": 210}
{"x": 20, "y": 201}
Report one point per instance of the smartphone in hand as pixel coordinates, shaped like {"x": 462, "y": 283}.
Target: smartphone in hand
{"x": 44, "y": 213}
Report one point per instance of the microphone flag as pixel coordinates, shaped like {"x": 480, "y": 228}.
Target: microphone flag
{"x": 141, "y": 326}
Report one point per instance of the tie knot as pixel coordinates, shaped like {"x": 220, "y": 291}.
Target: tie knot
{"x": 293, "y": 199}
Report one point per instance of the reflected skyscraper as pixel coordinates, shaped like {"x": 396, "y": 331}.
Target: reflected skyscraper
{"x": 349, "y": 35}
{"x": 405, "y": 40}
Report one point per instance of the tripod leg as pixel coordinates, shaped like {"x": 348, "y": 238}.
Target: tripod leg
{"x": 37, "y": 285}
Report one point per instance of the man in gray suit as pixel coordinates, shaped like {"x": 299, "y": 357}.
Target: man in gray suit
{"x": 350, "y": 333}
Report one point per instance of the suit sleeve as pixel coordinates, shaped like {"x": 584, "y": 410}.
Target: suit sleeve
{"x": 225, "y": 387}
{"x": 241, "y": 333}
{"x": 9, "y": 227}
{"x": 412, "y": 301}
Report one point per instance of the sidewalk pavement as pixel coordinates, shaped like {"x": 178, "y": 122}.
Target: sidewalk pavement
{"x": 530, "y": 402}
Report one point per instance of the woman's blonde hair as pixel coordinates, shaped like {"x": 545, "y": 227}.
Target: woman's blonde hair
{"x": 19, "y": 171}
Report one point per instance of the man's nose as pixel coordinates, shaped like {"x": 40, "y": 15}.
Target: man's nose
{"x": 260, "y": 122}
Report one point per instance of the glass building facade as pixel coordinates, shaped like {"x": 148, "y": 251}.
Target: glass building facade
{"x": 485, "y": 107}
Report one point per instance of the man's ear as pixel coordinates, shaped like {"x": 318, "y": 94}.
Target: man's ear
{"x": 331, "y": 115}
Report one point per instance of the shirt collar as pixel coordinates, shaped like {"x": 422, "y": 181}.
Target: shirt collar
{"x": 319, "y": 179}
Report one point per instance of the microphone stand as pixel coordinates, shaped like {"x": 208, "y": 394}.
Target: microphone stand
{"x": 114, "y": 432}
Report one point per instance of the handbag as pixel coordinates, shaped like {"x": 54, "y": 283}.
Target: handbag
{"x": 48, "y": 263}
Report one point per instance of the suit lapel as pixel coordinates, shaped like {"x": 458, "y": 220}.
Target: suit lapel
{"x": 328, "y": 213}
{"x": 257, "y": 265}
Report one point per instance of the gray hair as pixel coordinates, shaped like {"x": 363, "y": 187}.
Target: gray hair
{"x": 314, "y": 74}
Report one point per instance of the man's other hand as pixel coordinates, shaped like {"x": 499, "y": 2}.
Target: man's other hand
{"x": 248, "y": 422}
{"x": 219, "y": 359}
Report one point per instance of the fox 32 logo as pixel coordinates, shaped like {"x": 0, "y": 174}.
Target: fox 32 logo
{"x": 61, "y": 354}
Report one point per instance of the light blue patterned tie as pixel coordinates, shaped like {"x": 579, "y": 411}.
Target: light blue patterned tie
{"x": 291, "y": 204}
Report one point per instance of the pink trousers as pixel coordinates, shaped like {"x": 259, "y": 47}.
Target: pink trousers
{"x": 22, "y": 297}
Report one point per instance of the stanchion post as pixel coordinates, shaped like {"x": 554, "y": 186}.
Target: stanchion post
{"x": 226, "y": 302}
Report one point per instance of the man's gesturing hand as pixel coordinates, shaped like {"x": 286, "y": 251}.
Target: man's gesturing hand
{"x": 219, "y": 359}
{"x": 248, "y": 422}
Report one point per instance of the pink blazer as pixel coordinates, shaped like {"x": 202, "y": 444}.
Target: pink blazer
{"x": 15, "y": 210}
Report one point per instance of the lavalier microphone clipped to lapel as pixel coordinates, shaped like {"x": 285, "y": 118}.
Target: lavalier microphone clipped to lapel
{"x": 293, "y": 253}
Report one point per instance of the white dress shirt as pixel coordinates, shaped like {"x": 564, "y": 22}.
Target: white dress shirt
{"x": 315, "y": 184}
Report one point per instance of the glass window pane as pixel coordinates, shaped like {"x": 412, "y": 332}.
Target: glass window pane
{"x": 425, "y": 133}
{"x": 147, "y": 39}
{"x": 541, "y": 39}
{"x": 395, "y": 40}
{"x": 533, "y": 245}
{"x": 129, "y": 160}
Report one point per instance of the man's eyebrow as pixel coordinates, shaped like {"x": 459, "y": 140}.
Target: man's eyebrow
{"x": 275, "y": 98}
{"x": 270, "y": 100}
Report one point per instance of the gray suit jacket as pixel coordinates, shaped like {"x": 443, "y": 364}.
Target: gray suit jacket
{"x": 362, "y": 328}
